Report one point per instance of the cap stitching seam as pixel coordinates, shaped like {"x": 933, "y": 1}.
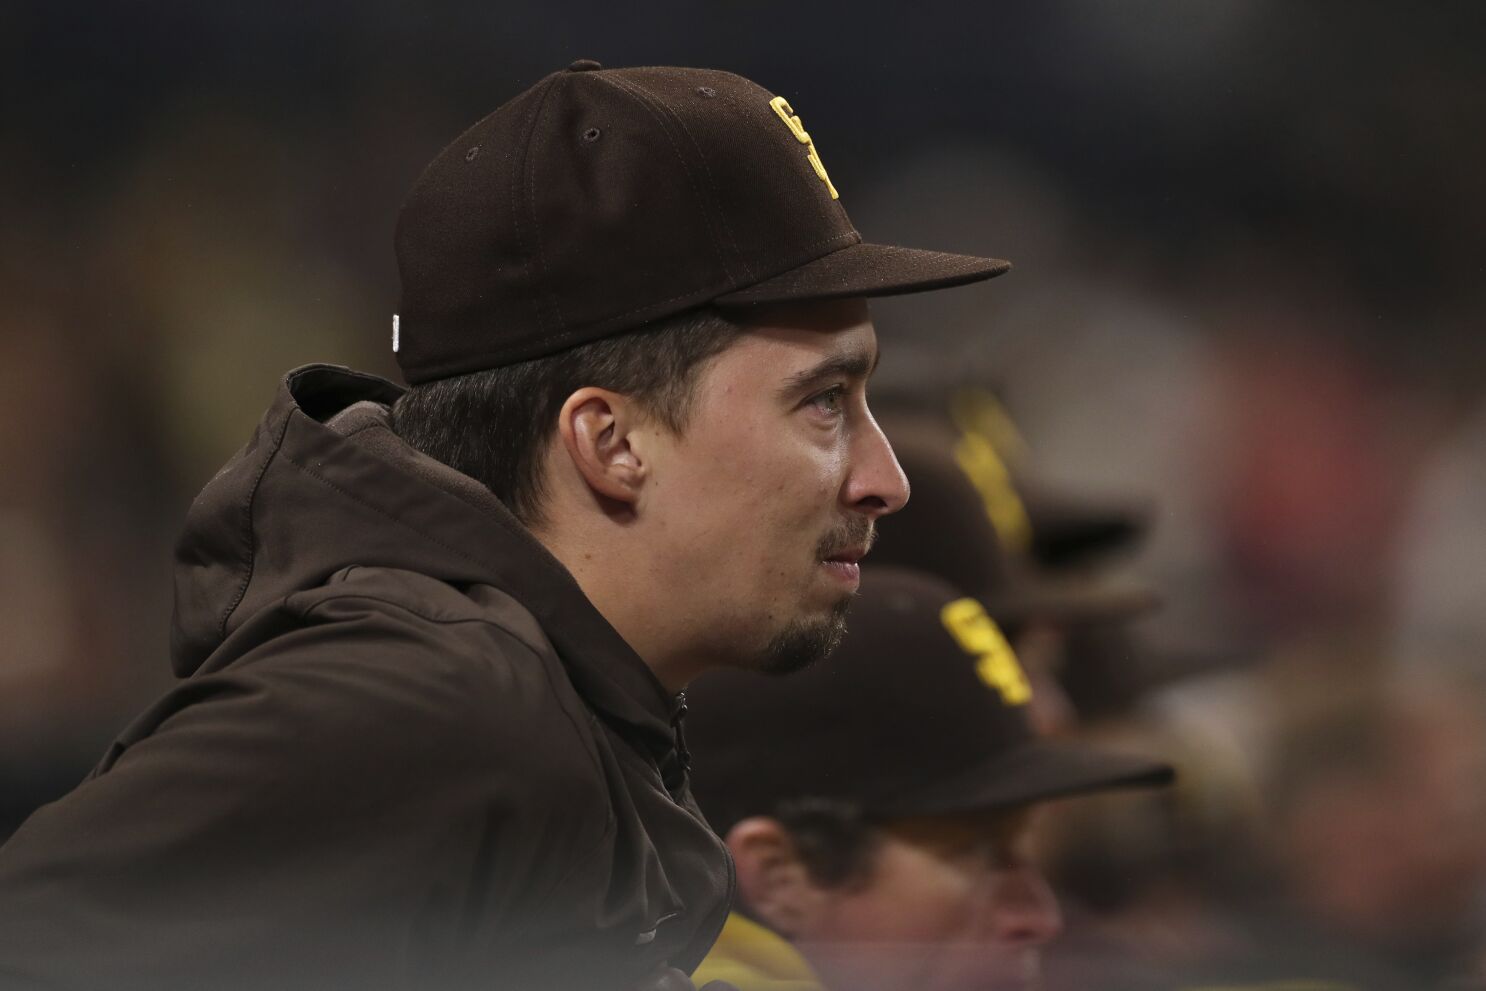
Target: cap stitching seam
{"x": 711, "y": 183}
{"x": 543, "y": 293}
{"x": 516, "y": 162}
{"x": 845, "y": 236}
{"x": 515, "y": 182}
{"x": 525, "y": 261}
{"x": 641, "y": 97}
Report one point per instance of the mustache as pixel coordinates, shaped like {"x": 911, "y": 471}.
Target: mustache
{"x": 853, "y": 532}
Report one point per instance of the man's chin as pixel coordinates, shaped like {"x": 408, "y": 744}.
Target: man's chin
{"x": 806, "y": 641}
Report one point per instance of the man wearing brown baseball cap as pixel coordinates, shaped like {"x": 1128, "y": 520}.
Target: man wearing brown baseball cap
{"x": 879, "y": 805}
{"x": 433, "y": 640}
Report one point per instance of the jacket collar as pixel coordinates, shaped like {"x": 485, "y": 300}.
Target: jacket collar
{"x": 326, "y": 445}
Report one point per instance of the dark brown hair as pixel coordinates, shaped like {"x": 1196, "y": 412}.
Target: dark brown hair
{"x": 835, "y": 840}
{"x": 494, "y": 424}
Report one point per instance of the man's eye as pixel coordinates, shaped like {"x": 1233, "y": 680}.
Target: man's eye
{"x": 830, "y": 400}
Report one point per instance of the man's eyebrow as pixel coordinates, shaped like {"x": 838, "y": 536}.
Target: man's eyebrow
{"x": 858, "y": 363}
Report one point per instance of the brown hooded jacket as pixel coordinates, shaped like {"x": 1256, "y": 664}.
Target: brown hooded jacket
{"x": 406, "y": 752}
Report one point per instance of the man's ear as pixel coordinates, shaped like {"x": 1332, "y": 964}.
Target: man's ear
{"x": 597, "y": 428}
{"x": 773, "y": 881}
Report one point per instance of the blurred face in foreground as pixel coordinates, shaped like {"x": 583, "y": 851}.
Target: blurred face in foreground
{"x": 945, "y": 902}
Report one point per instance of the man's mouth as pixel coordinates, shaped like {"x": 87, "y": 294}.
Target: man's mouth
{"x": 842, "y": 551}
{"x": 845, "y": 565}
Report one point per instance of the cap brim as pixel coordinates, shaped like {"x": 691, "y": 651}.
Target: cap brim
{"x": 1070, "y": 600}
{"x": 868, "y": 270}
{"x": 1068, "y": 526}
{"x": 1036, "y": 771}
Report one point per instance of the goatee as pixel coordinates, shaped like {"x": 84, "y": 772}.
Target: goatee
{"x": 804, "y": 642}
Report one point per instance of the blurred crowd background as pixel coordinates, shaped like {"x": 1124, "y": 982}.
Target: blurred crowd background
{"x": 1248, "y": 299}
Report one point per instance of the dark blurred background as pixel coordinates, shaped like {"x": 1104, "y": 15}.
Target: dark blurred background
{"x": 1249, "y": 286}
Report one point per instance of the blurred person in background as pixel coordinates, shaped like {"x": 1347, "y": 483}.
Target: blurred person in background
{"x": 84, "y": 513}
{"x": 1376, "y": 804}
{"x": 970, "y": 524}
{"x": 1045, "y": 560}
{"x": 1371, "y": 863}
{"x": 1442, "y": 580}
{"x": 432, "y": 640}
{"x": 1325, "y": 831}
{"x": 881, "y": 806}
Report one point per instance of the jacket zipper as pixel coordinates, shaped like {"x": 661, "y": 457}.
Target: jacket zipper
{"x": 676, "y": 764}
{"x": 719, "y": 919}
{"x": 678, "y": 720}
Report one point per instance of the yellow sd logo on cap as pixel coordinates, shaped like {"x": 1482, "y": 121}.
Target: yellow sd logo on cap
{"x": 986, "y": 433}
{"x": 797, "y": 128}
{"x": 996, "y": 663}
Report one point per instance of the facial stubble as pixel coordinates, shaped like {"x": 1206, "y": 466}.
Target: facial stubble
{"x": 806, "y": 641}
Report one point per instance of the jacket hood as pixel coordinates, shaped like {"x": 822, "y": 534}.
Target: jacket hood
{"x": 324, "y": 484}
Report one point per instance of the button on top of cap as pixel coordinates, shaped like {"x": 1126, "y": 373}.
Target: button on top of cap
{"x": 584, "y": 65}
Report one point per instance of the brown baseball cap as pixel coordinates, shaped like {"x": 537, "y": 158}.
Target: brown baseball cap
{"x": 920, "y": 711}
{"x": 601, "y": 199}
{"x": 949, "y": 528}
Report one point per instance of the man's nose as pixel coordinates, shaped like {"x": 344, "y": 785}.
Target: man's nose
{"x": 876, "y": 485}
{"x": 1024, "y": 910}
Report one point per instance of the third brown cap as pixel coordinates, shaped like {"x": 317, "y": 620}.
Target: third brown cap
{"x": 601, "y": 199}
{"x": 922, "y": 710}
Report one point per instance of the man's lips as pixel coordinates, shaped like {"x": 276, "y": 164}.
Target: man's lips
{"x": 842, "y": 550}
{"x": 844, "y": 565}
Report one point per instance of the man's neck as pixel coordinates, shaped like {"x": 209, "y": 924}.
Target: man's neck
{"x": 631, "y": 599}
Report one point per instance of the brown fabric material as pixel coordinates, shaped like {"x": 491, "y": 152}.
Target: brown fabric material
{"x": 406, "y": 752}
{"x": 868, "y": 270}
{"x": 602, "y": 199}
{"x": 896, "y": 721}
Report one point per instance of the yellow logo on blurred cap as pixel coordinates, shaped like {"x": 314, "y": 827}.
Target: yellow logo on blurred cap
{"x": 986, "y": 433}
{"x": 996, "y": 663}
